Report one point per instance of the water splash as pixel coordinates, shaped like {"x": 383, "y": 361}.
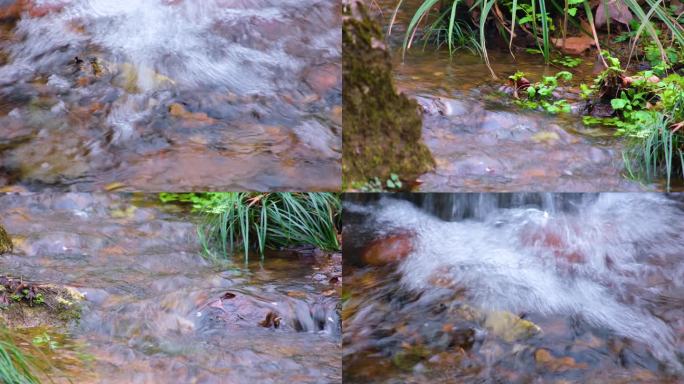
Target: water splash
{"x": 592, "y": 260}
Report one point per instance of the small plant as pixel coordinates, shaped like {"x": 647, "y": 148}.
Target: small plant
{"x": 568, "y": 61}
{"x": 376, "y": 185}
{"x": 541, "y": 94}
{"x": 45, "y": 340}
{"x": 393, "y": 182}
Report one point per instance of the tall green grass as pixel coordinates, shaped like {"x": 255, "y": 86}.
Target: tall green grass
{"x": 15, "y": 366}
{"x": 243, "y": 221}
{"x": 655, "y": 152}
{"x": 504, "y": 14}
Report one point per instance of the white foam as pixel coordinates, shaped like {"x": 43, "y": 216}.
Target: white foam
{"x": 503, "y": 271}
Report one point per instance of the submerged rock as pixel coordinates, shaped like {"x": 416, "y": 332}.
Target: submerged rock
{"x": 389, "y": 250}
{"x": 5, "y": 242}
{"x": 382, "y": 130}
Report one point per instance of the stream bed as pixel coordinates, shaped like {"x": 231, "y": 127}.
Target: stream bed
{"x": 513, "y": 288}
{"x": 170, "y": 95}
{"x": 156, "y": 311}
{"x": 481, "y": 141}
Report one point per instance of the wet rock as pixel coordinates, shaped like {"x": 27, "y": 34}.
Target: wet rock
{"x": 544, "y": 358}
{"x": 388, "y": 250}
{"x": 11, "y": 9}
{"x": 509, "y": 326}
{"x": 5, "y": 242}
{"x": 272, "y": 320}
{"x": 27, "y": 305}
{"x": 323, "y": 78}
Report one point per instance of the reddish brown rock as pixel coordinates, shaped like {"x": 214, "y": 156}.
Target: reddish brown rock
{"x": 389, "y": 250}
{"x": 323, "y": 78}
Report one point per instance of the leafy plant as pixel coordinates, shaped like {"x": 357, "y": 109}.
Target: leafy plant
{"x": 568, "y": 61}
{"x": 376, "y": 185}
{"x": 540, "y": 94}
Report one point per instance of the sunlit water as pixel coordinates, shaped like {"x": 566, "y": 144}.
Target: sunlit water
{"x": 156, "y": 311}
{"x": 244, "y": 94}
{"x": 601, "y": 275}
{"x": 481, "y": 141}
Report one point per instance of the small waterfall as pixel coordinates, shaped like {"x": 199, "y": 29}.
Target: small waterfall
{"x": 586, "y": 256}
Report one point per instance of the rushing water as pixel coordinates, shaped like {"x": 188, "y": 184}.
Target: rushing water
{"x": 481, "y": 142}
{"x": 211, "y": 94}
{"x": 507, "y": 288}
{"x": 157, "y": 312}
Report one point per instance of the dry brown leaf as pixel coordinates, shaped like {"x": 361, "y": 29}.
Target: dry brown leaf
{"x": 615, "y": 9}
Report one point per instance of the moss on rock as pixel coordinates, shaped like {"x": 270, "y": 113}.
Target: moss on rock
{"x": 28, "y": 305}
{"x": 5, "y": 241}
{"x": 382, "y": 130}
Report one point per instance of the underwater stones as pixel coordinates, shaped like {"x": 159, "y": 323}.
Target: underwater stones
{"x": 382, "y": 130}
{"x": 5, "y": 242}
{"x": 323, "y": 78}
{"x": 544, "y": 358}
{"x": 388, "y": 250}
{"x": 509, "y": 326}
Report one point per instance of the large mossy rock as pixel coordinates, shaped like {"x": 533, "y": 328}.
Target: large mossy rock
{"x": 5, "y": 241}
{"x": 381, "y": 128}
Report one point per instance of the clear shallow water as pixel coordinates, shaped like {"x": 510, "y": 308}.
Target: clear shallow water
{"x": 599, "y": 275}
{"x": 481, "y": 142}
{"x": 156, "y": 311}
{"x": 216, "y": 94}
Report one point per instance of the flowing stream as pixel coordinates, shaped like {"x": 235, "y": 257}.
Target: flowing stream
{"x": 156, "y": 311}
{"x": 514, "y": 288}
{"x": 170, "y": 94}
{"x": 481, "y": 141}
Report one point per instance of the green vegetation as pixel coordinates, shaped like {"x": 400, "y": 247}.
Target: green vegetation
{"x": 17, "y": 366}
{"x": 240, "y": 221}
{"x": 647, "y": 110}
{"x": 5, "y": 241}
{"x": 376, "y": 185}
{"x": 546, "y": 25}
{"x": 540, "y": 94}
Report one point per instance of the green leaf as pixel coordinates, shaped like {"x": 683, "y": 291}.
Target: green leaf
{"x": 619, "y": 103}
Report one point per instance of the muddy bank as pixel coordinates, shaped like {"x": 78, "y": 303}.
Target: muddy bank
{"x": 155, "y": 310}
{"x": 105, "y": 94}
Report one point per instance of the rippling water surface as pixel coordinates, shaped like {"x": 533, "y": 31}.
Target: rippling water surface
{"x": 156, "y": 311}
{"x": 215, "y": 94}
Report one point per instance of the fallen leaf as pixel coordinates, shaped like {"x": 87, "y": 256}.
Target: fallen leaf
{"x": 616, "y": 10}
{"x": 272, "y": 320}
{"x": 574, "y": 45}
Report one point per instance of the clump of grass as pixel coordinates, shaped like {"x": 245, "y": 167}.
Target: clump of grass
{"x": 240, "y": 221}
{"x": 16, "y": 367}
{"x": 654, "y": 149}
